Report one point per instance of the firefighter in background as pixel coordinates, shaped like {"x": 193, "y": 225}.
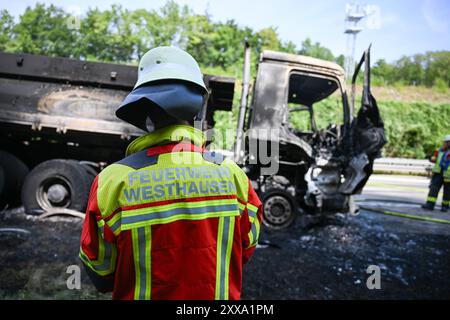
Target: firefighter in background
{"x": 441, "y": 177}
{"x": 171, "y": 220}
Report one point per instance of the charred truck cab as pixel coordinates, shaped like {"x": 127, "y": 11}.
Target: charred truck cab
{"x": 317, "y": 169}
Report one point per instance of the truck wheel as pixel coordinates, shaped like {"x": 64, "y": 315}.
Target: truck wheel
{"x": 90, "y": 170}
{"x": 12, "y": 175}
{"x": 2, "y": 186}
{"x": 279, "y": 209}
{"x": 56, "y": 184}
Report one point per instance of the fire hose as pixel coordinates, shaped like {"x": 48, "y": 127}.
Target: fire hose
{"x": 405, "y": 215}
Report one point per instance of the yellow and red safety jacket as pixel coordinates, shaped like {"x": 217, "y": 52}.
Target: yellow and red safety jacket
{"x": 442, "y": 163}
{"x": 171, "y": 221}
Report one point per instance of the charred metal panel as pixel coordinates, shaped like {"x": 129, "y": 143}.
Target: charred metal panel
{"x": 221, "y": 96}
{"x": 62, "y": 107}
{"x": 270, "y": 104}
{"x": 304, "y": 63}
{"x": 65, "y": 108}
{"x": 97, "y": 74}
{"x": 269, "y": 108}
{"x": 69, "y": 94}
{"x": 64, "y": 70}
{"x": 222, "y": 92}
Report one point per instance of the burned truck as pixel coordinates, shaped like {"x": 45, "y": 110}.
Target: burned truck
{"x": 57, "y": 119}
{"x": 318, "y": 169}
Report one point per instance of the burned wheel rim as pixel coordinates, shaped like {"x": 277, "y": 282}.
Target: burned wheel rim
{"x": 53, "y": 192}
{"x": 278, "y": 212}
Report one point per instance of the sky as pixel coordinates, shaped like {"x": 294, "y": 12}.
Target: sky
{"x": 395, "y": 27}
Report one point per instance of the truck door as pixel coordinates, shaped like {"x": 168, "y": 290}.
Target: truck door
{"x": 366, "y": 134}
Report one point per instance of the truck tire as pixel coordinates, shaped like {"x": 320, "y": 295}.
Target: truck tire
{"x": 90, "y": 170}
{"x": 12, "y": 175}
{"x": 279, "y": 209}
{"x": 56, "y": 184}
{"x": 2, "y": 186}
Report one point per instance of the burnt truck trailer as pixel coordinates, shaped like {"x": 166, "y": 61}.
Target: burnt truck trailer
{"x": 57, "y": 120}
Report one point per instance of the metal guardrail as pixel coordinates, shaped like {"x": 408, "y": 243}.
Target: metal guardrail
{"x": 403, "y": 166}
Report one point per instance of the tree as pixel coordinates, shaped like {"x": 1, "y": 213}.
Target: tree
{"x": 437, "y": 67}
{"x": 383, "y": 71}
{"x": 268, "y": 40}
{"x": 44, "y": 31}
{"x": 340, "y": 60}
{"x": 289, "y": 47}
{"x": 123, "y": 36}
{"x": 199, "y": 32}
{"x": 107, "y": 35}
{"x": 419, "y": 69}
{"x": 6, "y": 29}
{"x": 315, "y": 50}
{"x": 227, "y": 44}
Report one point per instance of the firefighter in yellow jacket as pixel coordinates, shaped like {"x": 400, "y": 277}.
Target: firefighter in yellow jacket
{"x": 171, "y": 220}
{"x": 441, "y": 177}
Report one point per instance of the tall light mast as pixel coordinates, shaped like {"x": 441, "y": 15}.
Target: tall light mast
{"x": 354, "y": 13}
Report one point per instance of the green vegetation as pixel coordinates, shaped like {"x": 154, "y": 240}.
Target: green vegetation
{"x": 413, "y": 129}
{"x": 416, "y": 116}
{"x": 431, "y": 68}
{"x": 123, "y": 36}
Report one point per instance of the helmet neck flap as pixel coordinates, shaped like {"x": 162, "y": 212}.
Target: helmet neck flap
{"x": 180, "y": 101}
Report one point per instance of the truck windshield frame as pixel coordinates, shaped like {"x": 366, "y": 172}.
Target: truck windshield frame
{"x": 294, "y": 102}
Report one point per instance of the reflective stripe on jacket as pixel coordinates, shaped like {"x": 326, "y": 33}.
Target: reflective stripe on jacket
{"x": 171, "y": 221}
{"x": 442, "y": 164}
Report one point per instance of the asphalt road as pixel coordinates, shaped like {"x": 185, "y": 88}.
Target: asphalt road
{"x": 404, "y": 195}
{"x": 328, "y": 261}
{"x": 395, "y": 187}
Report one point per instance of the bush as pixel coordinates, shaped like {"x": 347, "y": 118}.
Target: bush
{"x": 440, "y": 85}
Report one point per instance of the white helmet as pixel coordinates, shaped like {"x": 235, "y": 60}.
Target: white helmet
{"x": 164, "y": 63}
{"x": 177, "y": 99}
{"x": 447, "y": 138}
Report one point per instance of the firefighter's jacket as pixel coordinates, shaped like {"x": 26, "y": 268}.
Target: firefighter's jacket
{"x": 442, "y": 164}
{"x": 171, "y": 221}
